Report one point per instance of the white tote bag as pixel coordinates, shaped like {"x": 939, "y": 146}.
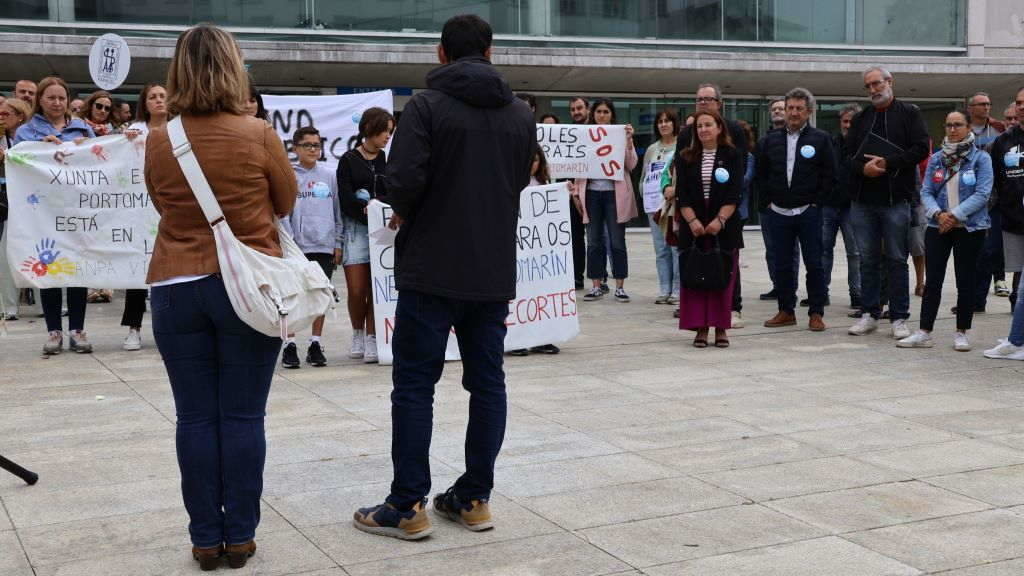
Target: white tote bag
{"x": 275, "y": 296}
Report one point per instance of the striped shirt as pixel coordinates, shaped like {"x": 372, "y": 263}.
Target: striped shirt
{"x": 707, "y": 166}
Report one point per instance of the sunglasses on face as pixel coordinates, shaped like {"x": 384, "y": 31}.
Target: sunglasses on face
{"x": 99, "y": 106}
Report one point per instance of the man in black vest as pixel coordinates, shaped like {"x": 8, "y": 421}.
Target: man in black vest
{"x": 795, "y": 170}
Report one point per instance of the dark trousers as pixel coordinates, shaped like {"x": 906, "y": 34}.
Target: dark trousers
{"x": 134, "y": 308}
{"x": 737, "y": 296}
{"x": 220, "y": 371}
{"x": 604, "y": 220}
{"x": 579, "y": 243}
{"x": 422, "y": 325}
{"x": 882, "y": 240}
{"x": 52, "y": 300}
{"x": 786, "y": 231}
{"x": 965, "y": 247}
{"x": 990, "y": 265}
{"x": 770, "y": 252}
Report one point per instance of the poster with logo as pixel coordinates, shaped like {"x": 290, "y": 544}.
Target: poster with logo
{"x": 336, "y": 117}
{"x": 584, "y": 150}
{"x": 109, "y": 61}
{"x": 80, "y": 215}
{"x": 544, "y": 310}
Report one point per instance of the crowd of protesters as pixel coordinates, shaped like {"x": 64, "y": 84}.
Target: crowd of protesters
{"x": 878, "y": 181}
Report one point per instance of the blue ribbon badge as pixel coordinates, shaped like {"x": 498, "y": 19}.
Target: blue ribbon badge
{"x": 808, "y": 151}
{"x": 321, "y": 190}
{"x": 721, "y": 175}
{"x": 968, "y": 178}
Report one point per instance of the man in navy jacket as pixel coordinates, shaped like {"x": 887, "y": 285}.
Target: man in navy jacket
{"x": 795, "y": 170}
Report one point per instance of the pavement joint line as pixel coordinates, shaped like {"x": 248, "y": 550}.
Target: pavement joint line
{"x": 299, "y": 530}
{"x": 132, "y": 388}
{"x": 14, "y": 529}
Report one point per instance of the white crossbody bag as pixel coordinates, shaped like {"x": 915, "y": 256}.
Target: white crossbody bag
{"x": 275, "y": 296}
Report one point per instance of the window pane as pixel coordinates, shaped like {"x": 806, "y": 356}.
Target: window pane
{"x": 741, "y": 20}
{"x": 806, "y": 21}
{"x": 911, "y": 22}
{"x": 613, "y": 18}
{"x": 690, "y": 19}
{"x": 26, "y": 9}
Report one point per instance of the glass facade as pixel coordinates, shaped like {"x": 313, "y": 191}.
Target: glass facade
{"x": 920, "y": 23}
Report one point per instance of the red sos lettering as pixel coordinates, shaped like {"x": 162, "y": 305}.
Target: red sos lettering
{"x": 609, "y": 168}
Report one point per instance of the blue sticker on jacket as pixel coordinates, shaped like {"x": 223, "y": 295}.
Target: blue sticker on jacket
{"x": 1011, "y": 159}
{"x": 968, "y": 178}
{"x": 808, "y": 151}
{"x": 721, "y": 175}
{"x": 320, "y": 189}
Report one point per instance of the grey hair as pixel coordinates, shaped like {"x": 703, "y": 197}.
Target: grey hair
{"x": 851, "y": 108}
{"x": 718, "y": 91}
{"x": 804, "y": 94}
{"x": 886, "y": 75}
{"x": 975, "y": 95}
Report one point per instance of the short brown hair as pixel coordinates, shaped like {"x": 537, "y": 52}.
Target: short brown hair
{"x": 695, "y": 148}
{"x": 46, "y": 83}
{"x": 303, "y": 132}
{"x": 86, "y": 112}
{"x": 207, "y": 74}
{"x": 374, "y": 121}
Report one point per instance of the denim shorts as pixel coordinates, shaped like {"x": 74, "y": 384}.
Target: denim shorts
{"x": 357, "y": 243}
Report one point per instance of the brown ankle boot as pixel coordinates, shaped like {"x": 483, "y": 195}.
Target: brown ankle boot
{"x": 239, "y": 554}
{"x": 208, "y": 558}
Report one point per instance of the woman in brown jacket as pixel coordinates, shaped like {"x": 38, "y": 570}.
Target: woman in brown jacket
{"x": 219, "y": 368}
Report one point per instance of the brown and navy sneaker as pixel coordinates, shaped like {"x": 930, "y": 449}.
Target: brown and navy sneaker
{"x": 386, "y": 520}
{"x": 475, "y": 515}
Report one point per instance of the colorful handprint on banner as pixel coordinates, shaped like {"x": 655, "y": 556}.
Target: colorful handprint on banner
{"x": 47, "y": 261}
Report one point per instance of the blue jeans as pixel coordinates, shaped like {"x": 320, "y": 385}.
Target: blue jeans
{"x": 832, "y": 221}
{"x": 604, "y": 219}
{"x": 878, "y": 229}
{"x": 422, "y": 324}
{"x": 220, "y": 371}
{"x": 786, "y": 231}
{"x": 769, "y": 251}
{"x": 666, "y": 259}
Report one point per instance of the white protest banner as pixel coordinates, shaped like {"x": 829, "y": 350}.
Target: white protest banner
{"x": 80, "y": 215}
{"x": 584, "y": 150}
{"x": 544, "y": 310}
{"x": 336, "y": 117}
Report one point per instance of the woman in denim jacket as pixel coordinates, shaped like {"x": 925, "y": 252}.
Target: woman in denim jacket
{"x": 954, "y": 193}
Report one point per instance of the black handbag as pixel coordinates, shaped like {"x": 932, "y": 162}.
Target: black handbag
{"x": 709, "y": 270}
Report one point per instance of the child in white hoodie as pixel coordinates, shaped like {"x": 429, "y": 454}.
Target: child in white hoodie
{"x": 316, "y": 225}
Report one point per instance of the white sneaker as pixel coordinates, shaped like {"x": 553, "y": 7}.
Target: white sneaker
{"x": 919, "y": 339}
{"x": 133, "y": 342}
{"x": 370, "y": 349}
{"x": 1005, "y": 351}
{"x": 358, "y": 344}
{"x": 54, "y": 343}
{"x": 900, "y": 330}
{"x": 866, "y": 325}
{"x": 1001, "y": 289}
{"x": 961, "y": 343}
{"x": 737, "y": 319}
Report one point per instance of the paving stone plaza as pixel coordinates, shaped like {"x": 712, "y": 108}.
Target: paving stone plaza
{"x": 791, "y": 453}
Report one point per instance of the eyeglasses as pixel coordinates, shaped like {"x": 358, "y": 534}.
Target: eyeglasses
{"x": 706, "y": 99}
{"x": 951, "y": 125}
{"x": 310, "y": 146}
{"x": 873, "y": 85}
{"x": 99, "y": 106}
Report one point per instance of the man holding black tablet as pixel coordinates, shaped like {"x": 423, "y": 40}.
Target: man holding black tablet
{"x": 887, "y": 141}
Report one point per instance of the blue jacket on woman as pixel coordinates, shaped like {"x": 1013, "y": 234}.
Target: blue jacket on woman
{"x": 38, "y": 127}
{"x": 972, "y": 210}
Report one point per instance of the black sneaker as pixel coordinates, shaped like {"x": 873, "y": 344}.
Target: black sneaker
{"x": 475, "y": 515}
{"x": 315, "y": 355}
{"x": 386, "y": 520}
{"x": 518, "y": 352}
{"x": 604, "y": 287}
{"x": 546, "y": 349}
{"x": 769, "y": 295}
{"x": 290, "y": 358}
{"x": 594, "y": 294}
{"x": 621, "y": 296}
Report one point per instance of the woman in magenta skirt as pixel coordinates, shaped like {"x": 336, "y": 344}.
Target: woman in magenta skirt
{"x": 709, "y": 177}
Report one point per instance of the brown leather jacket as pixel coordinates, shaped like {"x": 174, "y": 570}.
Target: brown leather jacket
{"x": 247, "y": 168}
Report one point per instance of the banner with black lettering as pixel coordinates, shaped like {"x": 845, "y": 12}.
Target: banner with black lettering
{"x": 544, "y": 310}
{"x": 80, "y": 215}
{"x": 336, "y": 117}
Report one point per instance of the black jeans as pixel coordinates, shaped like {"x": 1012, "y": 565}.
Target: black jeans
{"x": 785, "y": 232}
{"x": 579, "y": 243}
{"x": 220, "y": 371}
{"x": 134, "y": 308}
{"x": 965, "y": 246}
{"x": 422, "y": 325}
{"x": 52, "y": 300}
